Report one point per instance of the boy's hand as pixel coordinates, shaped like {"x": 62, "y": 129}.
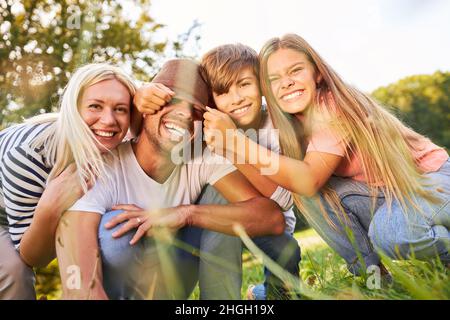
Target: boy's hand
{"x": 151, "y": 97}
{"x": 216, "y": 125}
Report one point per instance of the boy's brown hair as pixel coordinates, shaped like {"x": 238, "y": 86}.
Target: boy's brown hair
{"x": 223, "y": 64}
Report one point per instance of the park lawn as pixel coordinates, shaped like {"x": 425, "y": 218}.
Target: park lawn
{"x": 323, "y": 272}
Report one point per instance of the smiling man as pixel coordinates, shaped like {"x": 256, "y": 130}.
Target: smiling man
{"x": 105, "y": 254}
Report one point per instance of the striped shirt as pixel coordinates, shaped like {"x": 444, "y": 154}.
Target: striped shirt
{"x": 23, "y": 176}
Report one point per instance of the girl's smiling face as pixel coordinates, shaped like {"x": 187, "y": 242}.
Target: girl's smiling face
{"x": 292, "y": 79}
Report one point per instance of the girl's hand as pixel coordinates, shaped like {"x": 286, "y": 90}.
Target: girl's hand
{"x": 151, "y": 97}
{"x": 146, "y": 221}
{"x": 216, "y": 126}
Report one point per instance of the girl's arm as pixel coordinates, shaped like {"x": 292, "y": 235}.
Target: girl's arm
{"x": 261, "y": 183}
{"x": 302, "y": 177}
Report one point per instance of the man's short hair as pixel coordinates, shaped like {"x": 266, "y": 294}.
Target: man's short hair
{"x": 223, "y": 64}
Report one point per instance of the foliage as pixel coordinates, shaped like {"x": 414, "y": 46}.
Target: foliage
{"x": 44, "y": 41}
{"x": 423, "y": 102}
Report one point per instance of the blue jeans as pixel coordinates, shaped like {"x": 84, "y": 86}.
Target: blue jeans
{"x": 220, "y": 269}
{"x": 221, "y": 264}
{"x": 285, "y": 251}
{"x": 221, "y": 257}
{"x": 149, "y": 269}
{"x": 404, "y": 233}
{"x": 369, "y": 224}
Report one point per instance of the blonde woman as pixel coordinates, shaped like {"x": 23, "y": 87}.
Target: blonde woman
{"x": 361, "y": 177}
{"x": 50, "y": 161}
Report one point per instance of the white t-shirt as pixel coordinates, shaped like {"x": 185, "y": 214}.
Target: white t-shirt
{"x": 125, "y": 182}
{"x": 267, "y": 138}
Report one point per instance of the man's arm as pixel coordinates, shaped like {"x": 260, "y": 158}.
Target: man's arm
{"x": 258, "y": 215}
{"x": 79, "y": 257}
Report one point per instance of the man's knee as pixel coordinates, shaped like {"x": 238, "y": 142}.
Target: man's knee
{"x": 116, "y": 253}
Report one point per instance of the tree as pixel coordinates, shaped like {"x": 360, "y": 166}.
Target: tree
{"x": 43, "y": 41}
{"x": 422, "y": 102}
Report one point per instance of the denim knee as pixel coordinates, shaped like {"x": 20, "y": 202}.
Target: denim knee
{"x": 399, "y": 236}
{"x": 380, "y": 238}
{"x": 391, "y": 234}
{"x": 116, "y": 253}
{"x": 283, "y": 249}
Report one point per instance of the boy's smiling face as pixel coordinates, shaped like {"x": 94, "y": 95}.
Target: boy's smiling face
{"x": 242, "y": 102}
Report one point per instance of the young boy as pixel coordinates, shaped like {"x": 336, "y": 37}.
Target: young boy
{"x": 232, "y": 71}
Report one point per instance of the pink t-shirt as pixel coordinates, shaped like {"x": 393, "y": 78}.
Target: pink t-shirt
{"x": 429, "y": 156}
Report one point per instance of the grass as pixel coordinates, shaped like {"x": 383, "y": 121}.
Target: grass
{"x": 324, "y": 275}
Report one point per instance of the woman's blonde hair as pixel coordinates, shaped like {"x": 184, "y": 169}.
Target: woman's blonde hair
{"x": 68, "y": 138}
{"x": 368, "y": 130}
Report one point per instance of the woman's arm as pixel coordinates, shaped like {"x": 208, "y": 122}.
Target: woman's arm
{"x": 37, "y": 247}
{"x": 79, "y": 259}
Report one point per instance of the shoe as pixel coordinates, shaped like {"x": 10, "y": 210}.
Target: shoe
{"x": 257, "y": 292}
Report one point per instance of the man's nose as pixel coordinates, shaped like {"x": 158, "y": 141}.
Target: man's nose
{"x": 185, "y": 110}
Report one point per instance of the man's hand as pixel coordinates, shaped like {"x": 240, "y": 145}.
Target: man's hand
{"x": 151, "y": 97}
{"x": 146, "y": 221}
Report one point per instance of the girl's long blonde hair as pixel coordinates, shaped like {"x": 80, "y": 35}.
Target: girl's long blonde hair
{"x": 382, "y": 142}
{"x": 68, "y": 138}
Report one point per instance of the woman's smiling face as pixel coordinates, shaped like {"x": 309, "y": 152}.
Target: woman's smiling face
{"x": 105, "y": 108}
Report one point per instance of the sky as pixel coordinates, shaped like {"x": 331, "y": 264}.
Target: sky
{"x": 370, "y": 43}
